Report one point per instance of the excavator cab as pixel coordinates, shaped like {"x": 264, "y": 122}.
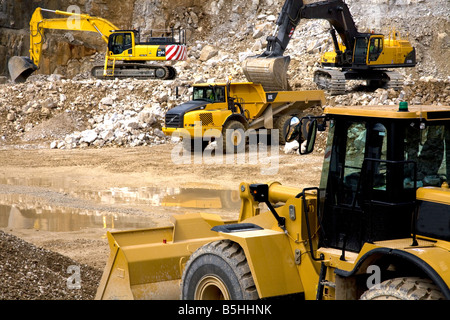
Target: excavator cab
{"x": 121, "y": 41}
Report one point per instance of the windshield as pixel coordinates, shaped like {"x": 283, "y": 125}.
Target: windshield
{"x": 210, "y": 93}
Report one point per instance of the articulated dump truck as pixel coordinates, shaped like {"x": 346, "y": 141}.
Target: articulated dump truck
{"x": 377, "y": 226}
{"x": 236, "y": 107}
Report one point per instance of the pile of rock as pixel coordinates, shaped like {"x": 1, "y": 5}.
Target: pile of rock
{"x": 118, "y": 128}
{"x": 32, "y": 273}
{"x": 84, "y": 112}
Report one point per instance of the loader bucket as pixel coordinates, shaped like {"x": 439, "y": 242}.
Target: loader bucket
{"x": 20, "y": 68}
{"x": 270, "y": 72}
{"x": 148, "y": 263}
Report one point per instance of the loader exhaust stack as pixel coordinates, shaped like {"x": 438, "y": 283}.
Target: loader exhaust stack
{"x": 20, "y": 68}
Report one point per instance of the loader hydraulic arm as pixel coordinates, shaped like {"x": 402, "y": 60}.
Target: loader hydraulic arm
{"x": 336, "y": 12}
{"x": 74, "y": 22}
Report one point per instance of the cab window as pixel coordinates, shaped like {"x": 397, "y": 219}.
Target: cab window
{"x": 429, "y": 148}
{"x": 210, "y": 93}
{"x": 360, "y": 50}
{"x": 120, "y": 42}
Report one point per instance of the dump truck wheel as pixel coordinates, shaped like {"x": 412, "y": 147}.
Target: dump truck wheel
{"x": 218, "y": 271}
{"x": 282, "y": 124}
{"x": 404, "y": 289}
{"x": 192, "y": 146}
{"x": 235, "y": 140}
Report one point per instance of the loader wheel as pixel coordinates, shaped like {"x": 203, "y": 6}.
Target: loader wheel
{"x": 404, "y": 289}
{"x": 235, "y": 139}
{"x": 218, "y": 271}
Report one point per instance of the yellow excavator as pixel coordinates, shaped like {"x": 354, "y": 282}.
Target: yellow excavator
{"x": 358, "y": 56}
{"x": 122, "y": 45}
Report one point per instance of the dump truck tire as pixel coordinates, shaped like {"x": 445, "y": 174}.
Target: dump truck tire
{"x": 282, "y": 124}
{"x": 404, "y": 289}
{"x": 192, "y": 145}
{"x": 218, "y": 271}
{"x": 236, "y": 141}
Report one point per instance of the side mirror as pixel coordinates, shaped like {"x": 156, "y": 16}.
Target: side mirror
{"x": 309, "y": 131}
{"x": 293, "y": 130}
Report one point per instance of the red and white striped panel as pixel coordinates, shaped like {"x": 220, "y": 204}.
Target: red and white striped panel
{"x": 176, "y": 52}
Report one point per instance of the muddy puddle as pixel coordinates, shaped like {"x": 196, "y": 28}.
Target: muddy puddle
{"x": 50, "y": 205}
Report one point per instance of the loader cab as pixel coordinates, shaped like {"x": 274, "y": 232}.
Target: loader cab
{"x": 372, "y": 169}
{"x": 121, "y": 42}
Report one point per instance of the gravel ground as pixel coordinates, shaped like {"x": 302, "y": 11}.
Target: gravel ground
{"x": 32, "y": 273}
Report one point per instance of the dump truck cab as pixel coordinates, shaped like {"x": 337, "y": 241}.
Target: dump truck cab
{"x": 238, "y": 106}
{"x": 377, "y": 226}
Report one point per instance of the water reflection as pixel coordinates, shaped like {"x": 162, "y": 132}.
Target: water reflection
{"x": 51, "y": 218}
{"x": 32, "y": 212}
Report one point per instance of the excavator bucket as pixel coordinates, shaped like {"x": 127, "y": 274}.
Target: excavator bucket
{"x": 270, "y": 72}
{"x": 148, "y": 263}
{"x": 20, "y": 68}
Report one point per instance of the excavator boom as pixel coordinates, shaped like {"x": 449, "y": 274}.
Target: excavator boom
{"x": 20, "y": 68}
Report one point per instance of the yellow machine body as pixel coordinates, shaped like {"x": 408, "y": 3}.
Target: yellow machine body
{"x": 122, "y": 45}
{"x": 379, "y": 52}
{"x": 290, "y": 258}
{"x": 259, "y": 108}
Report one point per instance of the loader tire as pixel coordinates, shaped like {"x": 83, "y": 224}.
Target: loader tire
{"x": 235, "y": 140}
{"x": 404, "y": 289}
{"x": 218, "y": 271}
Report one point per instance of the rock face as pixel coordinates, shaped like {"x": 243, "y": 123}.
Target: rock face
{"x": 69, "y": 109}
{"x": 222, "y": 24}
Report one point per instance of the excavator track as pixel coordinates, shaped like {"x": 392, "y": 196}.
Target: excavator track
{"x": 330, "y": 80}
{"x": 395, "y": 80}
{"x": 136, "y": 70}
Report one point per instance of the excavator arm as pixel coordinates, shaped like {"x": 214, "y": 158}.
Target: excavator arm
{"x": 270, "y": 67}
{"x": 22, "y": 67}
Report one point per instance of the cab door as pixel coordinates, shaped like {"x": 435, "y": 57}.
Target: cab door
{"x": 375, "y": 50}
{"x": 366, "y": 198}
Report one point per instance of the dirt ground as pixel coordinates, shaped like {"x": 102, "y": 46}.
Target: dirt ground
{"x": 68, "y": 178}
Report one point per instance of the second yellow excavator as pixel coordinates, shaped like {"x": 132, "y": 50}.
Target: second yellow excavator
{"x": 122, "y": 45}
{"x": 359, "y": 56}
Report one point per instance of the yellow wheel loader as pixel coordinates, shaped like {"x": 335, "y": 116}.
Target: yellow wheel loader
{"x": 122, "y": 45}
{"x": 359, "y": 56}
{"x": 236, "y": 107}
{"x": 377, "y": 226}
